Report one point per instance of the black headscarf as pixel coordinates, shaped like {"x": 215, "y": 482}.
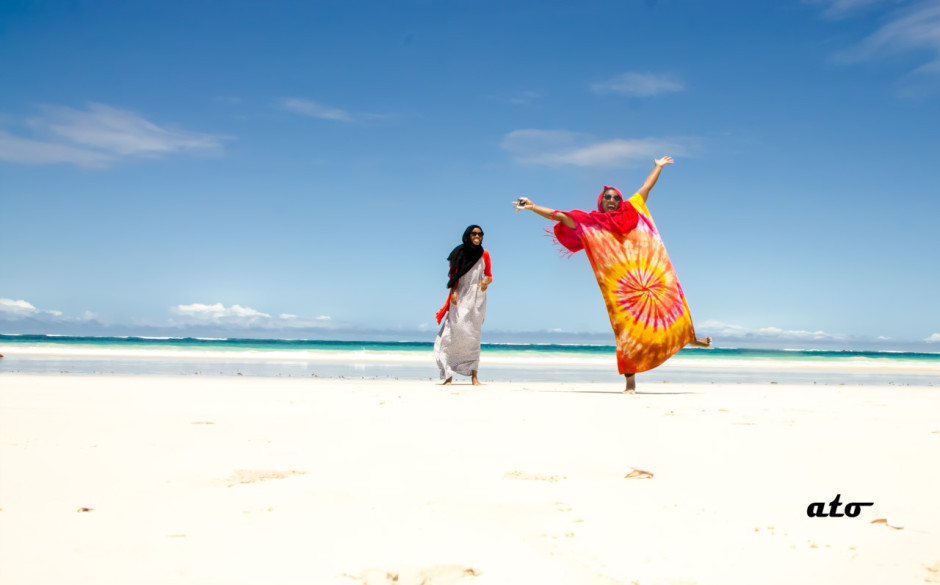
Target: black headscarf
{"x": 463, "y": 257}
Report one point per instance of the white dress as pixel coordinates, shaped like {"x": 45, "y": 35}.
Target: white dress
{"x": 457, "y": 347}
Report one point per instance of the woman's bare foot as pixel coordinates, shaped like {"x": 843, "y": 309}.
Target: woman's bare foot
{"x": 631, "y": 384}
{"x": 473, "y": 378}
{"x": 447, "y": 381}
{"x": 699, "y": 342}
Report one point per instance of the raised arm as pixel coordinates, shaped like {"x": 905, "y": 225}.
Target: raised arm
{"x": 544, "y": 212}
{"x": 654, "y": 176}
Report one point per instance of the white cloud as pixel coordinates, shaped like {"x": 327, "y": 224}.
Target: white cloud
{"x": 11, "y": 310}
{"x": 18, "y": 308}
{"x": 777, "y": 333}
{"x": 560, "y": 147}
{"x": 98, "y": 137}
{"x": 935, "y": 338}
{"x": 719, "y": 329}
{"x": 237, "y": 315}
{"x": 914, "y": 29}
{"x": 316, "y": 110}
{"x": 640, "y": 84}
{"x": 219, "y": 313}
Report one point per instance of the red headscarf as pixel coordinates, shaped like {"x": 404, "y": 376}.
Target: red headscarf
{"x": 621, "y": 221}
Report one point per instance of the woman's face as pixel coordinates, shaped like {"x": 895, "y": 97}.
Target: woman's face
{"x": 611, "y": 201}
{"x": 476, "y": 236}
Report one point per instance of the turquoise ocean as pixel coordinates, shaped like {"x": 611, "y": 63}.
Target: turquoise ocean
{"x": 49, "y": 354}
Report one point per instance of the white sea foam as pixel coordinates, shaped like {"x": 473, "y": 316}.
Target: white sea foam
{"x": 546, "y": 360}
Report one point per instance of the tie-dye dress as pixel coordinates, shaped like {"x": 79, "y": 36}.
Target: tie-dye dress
{"x": 644, "y": 300}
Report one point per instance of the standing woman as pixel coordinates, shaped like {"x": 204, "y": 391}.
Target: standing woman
{"x": 645, "y": 302}
{"x": 457, "y": 347}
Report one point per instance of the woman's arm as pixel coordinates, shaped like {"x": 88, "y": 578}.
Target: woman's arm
{"x": 654, "y": 176}
{"x": 487, "y": 271}
{"x": 545, "y": 212}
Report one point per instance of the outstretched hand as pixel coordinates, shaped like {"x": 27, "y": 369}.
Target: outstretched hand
{"x": 523, "y": 203}
{"x": 666, "y": 160}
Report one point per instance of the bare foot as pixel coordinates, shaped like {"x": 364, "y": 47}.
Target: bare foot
{"x": 473, "y": 379}
{"x": 699, "y": 342}
{"x": 447, "y": 381}
{"x": 631, "y": 384}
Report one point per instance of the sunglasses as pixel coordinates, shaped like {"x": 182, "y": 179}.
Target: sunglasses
{"x": 476, "y": 234}
{"x": 609, "y": 197}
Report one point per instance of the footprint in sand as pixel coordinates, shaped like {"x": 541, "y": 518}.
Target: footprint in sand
{"x": 638, "y": 474}
{"x": 242, "y": 476}
{"x": 436, "y": 575}
{"x": 531, "y": 476}
{"x": 933, "y": 573}
{"x": 885, "y": 522}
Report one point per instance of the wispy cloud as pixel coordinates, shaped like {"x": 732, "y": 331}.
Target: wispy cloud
{"x": 640, "y": 84}
{"x": 98, "y": 137}
{"x": 230, "y": 99}
{"x": 560, "y": 147}
{"x": 844, "y": 8}
{"x": 913, "y": 29}
{"x": 521, "y": 98}
{"x": 239, "y": 316}
{"x": 28, "y": 151}
{"x": 314, "y": 109}
{"x": 935, "y": 338}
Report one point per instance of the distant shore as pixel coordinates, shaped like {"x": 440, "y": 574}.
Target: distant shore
{"x": 415, "y": 361}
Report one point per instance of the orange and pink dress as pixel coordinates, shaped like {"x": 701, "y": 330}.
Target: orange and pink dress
{"x": 644, "y": 299}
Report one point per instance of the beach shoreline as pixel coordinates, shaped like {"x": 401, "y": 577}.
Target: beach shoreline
{"x": 199, "y": 479}
{"x": 499, "y": 363}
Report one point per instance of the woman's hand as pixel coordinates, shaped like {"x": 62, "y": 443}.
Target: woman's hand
{"x": 523, "y": 203}
{"x": 485, "y": 283}
{"x": 453, "y": 297}
{"x": 658, "y": 165}
{"x": 526, "y": 203}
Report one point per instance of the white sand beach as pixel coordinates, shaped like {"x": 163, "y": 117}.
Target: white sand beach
{"x": 230, "y": 480}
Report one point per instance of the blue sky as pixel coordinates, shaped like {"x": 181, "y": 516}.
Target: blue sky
{"x": 302, "y": 169}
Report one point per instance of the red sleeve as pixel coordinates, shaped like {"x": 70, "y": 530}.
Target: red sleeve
{"x": 440, "y": 314}
{"x": 487, "y": 265}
